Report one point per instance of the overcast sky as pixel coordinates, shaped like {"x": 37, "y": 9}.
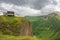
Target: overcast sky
{"x": 30, "y": 7}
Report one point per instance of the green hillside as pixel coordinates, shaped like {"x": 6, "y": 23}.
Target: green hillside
{"x": 34, "y": 18}
{"x": 11, "y": 28}
{"x": 46, "y": 27}
{"x": 43, "y": 27}
{"x": 8, "y": 24}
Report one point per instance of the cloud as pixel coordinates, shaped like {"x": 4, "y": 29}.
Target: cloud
{"x": 36, "y": 4}
{"x": 20, "y": 10}
{"x": 6, "y": 6}
{"x": 50, "y": 8}
{"x": 16, "y": 2}
{"x": 30, "y": 7}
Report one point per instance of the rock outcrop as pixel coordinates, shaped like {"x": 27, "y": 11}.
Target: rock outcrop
{"x": 15, "y": 26}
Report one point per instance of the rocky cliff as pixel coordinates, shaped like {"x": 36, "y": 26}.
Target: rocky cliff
{"x": 17, "y": 26}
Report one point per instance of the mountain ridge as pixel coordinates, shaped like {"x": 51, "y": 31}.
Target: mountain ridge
{"x": 46, "y": 27}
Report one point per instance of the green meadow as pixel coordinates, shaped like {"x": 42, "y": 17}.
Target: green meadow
{"x": 43, "y": 27}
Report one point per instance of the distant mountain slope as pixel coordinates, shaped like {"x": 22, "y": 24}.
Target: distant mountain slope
{"x": 46, "y": 27}
{"x": 12, "y": 25}
{"x": 35, "y": 18}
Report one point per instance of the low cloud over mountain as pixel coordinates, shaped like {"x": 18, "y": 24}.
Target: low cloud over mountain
{"x": 30, "y": 7}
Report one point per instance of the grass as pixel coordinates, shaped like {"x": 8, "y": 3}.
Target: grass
{"x": 12, "y": 22}
{"x": 9, "y": 37}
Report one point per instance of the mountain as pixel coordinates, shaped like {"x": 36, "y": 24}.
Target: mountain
{"x": 46, "y": 27}
{"x": 43, "y": 27}
{"x": 35, "y": 18}
{"x": 17, "y": 26}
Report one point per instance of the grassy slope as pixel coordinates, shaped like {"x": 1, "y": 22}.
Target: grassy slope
{"x": 5, "y": 34}
{"x": 34, "y": 18}
{"x": 46, "y": 29}
{"x": 43, "y": 29}
{"x": 10, "y": 21}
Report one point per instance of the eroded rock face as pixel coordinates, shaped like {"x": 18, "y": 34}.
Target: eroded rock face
{"x": 22, "y": 28}
{"x": 26, "y": 30}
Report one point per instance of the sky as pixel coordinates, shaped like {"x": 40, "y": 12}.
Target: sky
{"x": 30, "y": 7}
